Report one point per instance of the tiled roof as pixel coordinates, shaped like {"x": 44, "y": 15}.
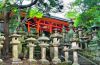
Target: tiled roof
{"x": 58, "y": 18}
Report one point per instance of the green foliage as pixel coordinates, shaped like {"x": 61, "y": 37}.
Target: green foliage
{"x": 90, "y": 13}
{"x": 34, "y": 12}
{"x": 13, "y": 24}
{"x": 90, "y": 16}
{"x": 73, "y": 15}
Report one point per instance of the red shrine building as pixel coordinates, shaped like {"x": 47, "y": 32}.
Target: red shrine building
{"x": 47, "y": 23}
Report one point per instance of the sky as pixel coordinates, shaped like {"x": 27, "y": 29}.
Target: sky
{"x": 66, "y": 9}
{"x": 58, "y": 14}
{"x": 65, "y": 1}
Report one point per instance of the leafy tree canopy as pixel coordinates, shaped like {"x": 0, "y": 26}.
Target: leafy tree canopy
{"x": 90, "y": 12}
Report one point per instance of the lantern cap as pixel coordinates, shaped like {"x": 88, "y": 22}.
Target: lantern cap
{"x": 43, "y": 38}
{"x": 31, "y": 39}
{"x": 95, "y": 26}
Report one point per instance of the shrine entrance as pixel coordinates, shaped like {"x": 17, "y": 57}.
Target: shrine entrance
{"x": 46, "y": 24}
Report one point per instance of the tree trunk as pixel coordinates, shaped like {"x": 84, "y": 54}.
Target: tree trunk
{"x": 6, "y": 34}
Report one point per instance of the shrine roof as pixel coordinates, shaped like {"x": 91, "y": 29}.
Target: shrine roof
{"x": 57, "y": 18}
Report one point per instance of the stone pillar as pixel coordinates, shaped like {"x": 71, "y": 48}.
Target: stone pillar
{"x": 85, "y": 39}
{"x": 64, "y": 34}
{"x": 43, "y": 53}
{"x": 55, "y": 43}
{"x": 75, "y": 48}
{"x": 15, "y": 42}
{"x": 75, "y": 57}
{"x": 51, "y": 52}
{"x": 31, "y": 46}
{"x": 1, "y": 46}
{"x": 80, "y": 35}
{"x": 66, "y": 49}
{"x": 43, "y": 44}
{"x": 56, "y": 59}
{"x": 22, "y": 40}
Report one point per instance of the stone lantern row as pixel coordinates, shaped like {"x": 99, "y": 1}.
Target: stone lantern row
{"x": 43, "y": 43}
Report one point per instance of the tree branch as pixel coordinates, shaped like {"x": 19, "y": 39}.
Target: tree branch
{"x": 25, "y": 6}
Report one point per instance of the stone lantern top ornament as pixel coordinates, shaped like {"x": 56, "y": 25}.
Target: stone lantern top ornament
{"x": 85, "y": 38}
{"x": 80, "y": 29}
{"x": 56, "y": 34}
{"x": 31, "y": 42}
{"x": 71, "y": 22}
{"x": 75, "y": 38}
{"x": 75, "y": 41}
{"x": 15, "y": 39}
{"x": 56, "y": 38}
{"x": 95, "y": 28}
{"x": 66, "y": 49}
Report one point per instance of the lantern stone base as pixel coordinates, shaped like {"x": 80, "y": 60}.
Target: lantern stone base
{"x": 1, "y": 60}
{"x": 16, "y": 62}
{"x": 56, "y": 61}
{"x": 32, "y": 62}
{"x": 44, "y": 62}
{"x": 75, "y": 63}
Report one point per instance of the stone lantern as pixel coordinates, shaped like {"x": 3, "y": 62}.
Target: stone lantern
{"x": 94, "y": 34}
{"x": 66, "y": 47}
{"x": 71, "y": 31}
{"x": 1, "y": 46}
{"x": 75, "y": 47}
{"x": 31, "y": 44}
{"x": 80, "y": 31}
{"x": 55, "y": 43}
{"x": 85, "y": 39}
{"x": 43, "y": 44}
{"x": 22, "y": 40}
{"x": 80, "y": 35}
{"x": 95, "y": 40}
{"x": 64, "y": 32}
{"x": 15, "y": 42}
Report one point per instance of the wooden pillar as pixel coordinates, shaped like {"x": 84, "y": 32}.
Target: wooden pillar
{"x": 50, "y": 28}
{"x": 38, "y": 26}
{"x": 28, "y": 25}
